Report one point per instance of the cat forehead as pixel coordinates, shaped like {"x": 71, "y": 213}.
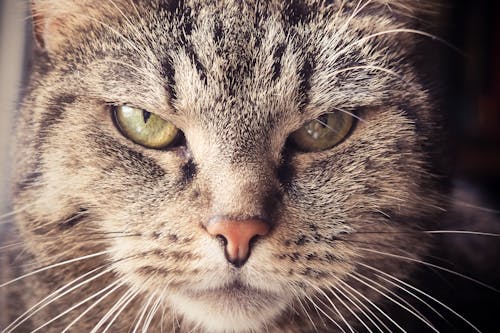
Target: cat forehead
{"x": 254, "y": 57}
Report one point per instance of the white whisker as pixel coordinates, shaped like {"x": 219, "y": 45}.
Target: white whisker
{"x": 298, "y": 298}
{"x": 350, "y": 310}
{"x": 126, "y": 301}
{"x": 15, "y": 212}
{"x": 152, "y": 312}
{"x": 355, "y": 116}
{"x": 365, "y": 281}
{"x": 143, "y": 312}
{"x": 393, "y": 31}
{"x": 355, "y": 301}
{"x": 421, "y": 293}
{"x": 113, "y": 309}
{"x": 371, "y": 67}
{"x": 463, "y": 276}
{"x": 324, "y": 313}
{"x": 113, "y": 286}
{"x": 52, "y": 297}
{"x": 334, "y": 307}
{"x": 374, "y": 305}
{"x": 66, "y": 262}
{"x": 464, "y": 232}
{"x": 87, "y": 310}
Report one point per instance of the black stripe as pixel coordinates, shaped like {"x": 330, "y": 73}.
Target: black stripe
{"x": 74, "y": 219}
{"x": 54, "y": 112}
{"x": 305, "y": 79}
{"x": 277, "y": 56}
{"x": 297, "y": 11}
{"x": 172, "y": 6}
{"x": 189, "y": 49}
{"x": 28, "y": 180}
{"x": 52, "y": 115}
{"x": 188, "y": 172}
{"x": 218, "y": 31}
{"x": 169, "y": 74}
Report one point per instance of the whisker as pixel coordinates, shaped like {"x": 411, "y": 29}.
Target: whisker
{"x": 139, "y": 34}
{"x": 113, "y": 286}
{"x": 125, "y": 302}
{"x": 152, "y": 312}
{"x": 334, "y": 306}
{"x": 297, "y": 297}
{"x": 399, "y": 298}
{"x": 87, "y": 310}
{"x": 324, "y": 313}
{"x": 358, "y": 304}
{"x": 350, "y": 310}
{"x": 372, "y": 67}
{"x": 52, "y": 297}
{"x": 372, "y": 304}
{"x": 464, "y": 232}
{"x": 481, "y": 208}
{"x": 325, "y": 125}
{"x": 358, "y": 9}
{"x": 365, "y": 281}
{"x": 143, "y": 313}
{"x": 113, "y": 309}
{"x": 463, "y": 276}
{"x": 66, "y": 262}
{"x": 355, "y": 116}
{"x": 420, "y": 292}
{"x": 15, "y": 212}
{"x": 395, "y": 31}
{"x": 8, "y": 246}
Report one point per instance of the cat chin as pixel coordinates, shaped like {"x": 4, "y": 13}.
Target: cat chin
{"x": 229, "y": 311}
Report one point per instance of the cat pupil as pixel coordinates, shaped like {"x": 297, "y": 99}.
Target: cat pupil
{"x": 323, "y": 120}
{"x": 146, "y": 115}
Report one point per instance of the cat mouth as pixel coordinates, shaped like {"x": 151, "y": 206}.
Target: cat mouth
{"x": 234, "y": 290}
{"x": 234, "y": 306}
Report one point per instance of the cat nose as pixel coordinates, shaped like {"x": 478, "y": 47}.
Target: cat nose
{"x": 238, "y": 236}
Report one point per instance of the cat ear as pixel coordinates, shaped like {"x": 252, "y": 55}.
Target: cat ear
{"x": 53, "y": 21}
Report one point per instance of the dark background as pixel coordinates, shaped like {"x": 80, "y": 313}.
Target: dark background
{"x": 471, "y": 87}
{"x": 474, "y": 92}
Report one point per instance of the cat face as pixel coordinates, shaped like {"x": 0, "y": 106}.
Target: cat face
{"x": 237, "y": 81}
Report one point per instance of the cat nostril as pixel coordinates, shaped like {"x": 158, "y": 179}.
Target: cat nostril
{"x": 238, "y": 237}
{"x": 222, "y": 239}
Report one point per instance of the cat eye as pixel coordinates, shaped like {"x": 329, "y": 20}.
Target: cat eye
{"x": 324, "y": 132}
{"x": 145, "y": 128}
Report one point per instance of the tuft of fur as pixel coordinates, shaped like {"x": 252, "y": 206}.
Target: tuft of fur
{"x": 237, "y": 77}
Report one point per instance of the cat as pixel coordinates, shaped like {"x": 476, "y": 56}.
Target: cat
{"x": 226, "y": 166}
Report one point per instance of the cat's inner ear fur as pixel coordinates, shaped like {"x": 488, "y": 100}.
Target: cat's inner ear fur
{"x": 54, "y": 21}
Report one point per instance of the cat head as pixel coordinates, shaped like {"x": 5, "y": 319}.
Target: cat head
{"x": 157, "y": 134}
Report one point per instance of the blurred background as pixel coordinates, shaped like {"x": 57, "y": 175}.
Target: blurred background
{"x": 13, "y": 38}
{"x": 474, "y": 92}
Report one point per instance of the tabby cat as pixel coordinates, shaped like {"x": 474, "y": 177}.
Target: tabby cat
{"x": 224, "y": 166}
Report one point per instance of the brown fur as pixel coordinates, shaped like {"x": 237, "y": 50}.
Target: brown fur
{"x": 237, "y": 78}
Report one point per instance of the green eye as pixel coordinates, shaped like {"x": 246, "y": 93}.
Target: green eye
{"x": 145, "y": 128}
{"x": 323, "y": 132}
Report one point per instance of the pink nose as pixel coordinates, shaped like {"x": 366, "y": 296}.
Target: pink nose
{"x": 237, "y": 236}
